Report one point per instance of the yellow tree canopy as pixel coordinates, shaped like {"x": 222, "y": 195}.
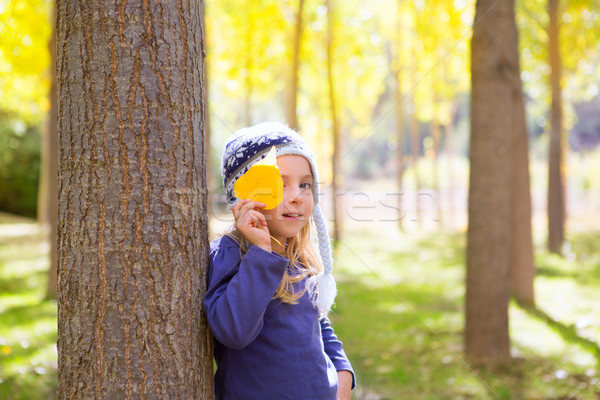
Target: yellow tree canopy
{"x": 25, "y": 30}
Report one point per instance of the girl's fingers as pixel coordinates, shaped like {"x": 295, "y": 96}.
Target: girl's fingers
{"x": 253, "y": 218}
{"x": 237, "y": 206}
{"x": 245, "y": 205}
{"x": 247, "y": 215}
{"x": 259, "y": 217}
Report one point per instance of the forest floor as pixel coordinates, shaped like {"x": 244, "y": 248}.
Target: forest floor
{"x": 399, "y": 313}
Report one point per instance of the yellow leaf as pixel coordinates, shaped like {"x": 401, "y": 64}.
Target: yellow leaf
{"x": 262, "y": 182}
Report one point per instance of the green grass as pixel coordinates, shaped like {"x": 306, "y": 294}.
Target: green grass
{"x": 400, "y": 316}
{"x": 27, "y": 320}
{"x": 399, "y": 313}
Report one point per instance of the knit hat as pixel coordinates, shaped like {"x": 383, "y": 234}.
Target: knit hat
{"x": 250, "y": 145}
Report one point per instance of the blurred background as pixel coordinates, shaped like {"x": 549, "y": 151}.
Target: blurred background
{"x": 381, "y": 90}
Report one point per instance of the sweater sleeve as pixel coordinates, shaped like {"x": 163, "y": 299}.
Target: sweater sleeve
{"x": 334, "y": 349}
{"x": 239, "y": 290}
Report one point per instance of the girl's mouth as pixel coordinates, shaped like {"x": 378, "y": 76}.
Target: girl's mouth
{"x": 292, "y": 216}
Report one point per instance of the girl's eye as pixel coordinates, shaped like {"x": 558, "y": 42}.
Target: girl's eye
{"x": 305, "y": 185}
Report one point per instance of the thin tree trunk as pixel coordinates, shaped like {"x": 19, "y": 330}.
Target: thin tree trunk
{"x": 556, "y": 191}
{"x": 48, "y": 191}
{"x": 292, "y": 104}
{"x": 399, "y": 108}
{"x": 452, "y": 159}
{"x": 493, "y": 67}
{"x": 415, "y": 147}
{"x": 133, "y": 243}
{"x": 436, "y": 133}
{"x": 336, "y": 174}
{"x": 522, "y": 270}
{"x": 249, "y": 64}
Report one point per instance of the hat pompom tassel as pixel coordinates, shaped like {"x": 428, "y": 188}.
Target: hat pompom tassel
{"x": 322, "y": 291}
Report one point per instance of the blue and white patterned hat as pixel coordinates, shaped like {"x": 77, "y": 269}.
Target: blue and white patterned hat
{"x": 250, "y": 145}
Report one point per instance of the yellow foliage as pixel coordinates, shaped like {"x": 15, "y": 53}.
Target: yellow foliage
{"x": 25, "y": 57}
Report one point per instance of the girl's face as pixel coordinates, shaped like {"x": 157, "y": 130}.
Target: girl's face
{"x": 290, "y": 216}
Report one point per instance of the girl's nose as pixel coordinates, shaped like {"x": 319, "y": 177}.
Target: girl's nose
{"x": 294, "y": 195}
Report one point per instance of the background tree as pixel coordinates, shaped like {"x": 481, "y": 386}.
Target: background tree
{"x": 24, "y": 103}
{"x": 522, "y": 269}
{"x": 397, "y": 67}
{"x": 292, "y": 104}
{"x": 556, "y": 186}
{"x": 558, "y": 73}
{"x": 24, "y": 60}
{"x": 336, "y": 162}
{"x": 494, "y": 66}
{"x": 48, "y": 182}
{"x": 133, "y": 242}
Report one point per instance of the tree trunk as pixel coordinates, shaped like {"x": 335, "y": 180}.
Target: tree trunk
{"x": 522, "y": 269}
{"x": 415, "y": 147}
{"x": 452, "y": 157}
{"x": 336, "y": 175}
{"x": 493, "y": 67}
{"x": 399, "y": 109}
{"x": 556, "y": 191}
{"x": 249, "y": 64}
{"x": 436, "y": 133}
{"x": 48, "y": 187}
{"x": 133, "y": 243}
{"x": 292, "y": 104}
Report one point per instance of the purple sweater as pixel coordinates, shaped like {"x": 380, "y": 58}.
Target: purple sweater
{"x": 266, "y": 349}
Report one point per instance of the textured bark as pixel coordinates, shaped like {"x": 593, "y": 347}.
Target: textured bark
{"x": 493, "y": 65}
{"x": 522, "y": 269}
{"x": 336, "y": 173}
{"x": 556, "y": 191}
{"x": 48, "y": 188}
{"x": 292, "y": 104}
{"x": 133, "y": 243}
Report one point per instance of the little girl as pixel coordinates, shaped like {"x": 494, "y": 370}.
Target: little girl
{"x": 269, "y": 292}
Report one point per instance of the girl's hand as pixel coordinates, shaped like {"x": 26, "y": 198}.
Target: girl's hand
{"x": 344, "y": 391}
{"x": 251, "y": 223}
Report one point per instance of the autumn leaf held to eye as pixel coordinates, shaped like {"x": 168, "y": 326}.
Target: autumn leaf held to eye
{"x": 262, "y": 182}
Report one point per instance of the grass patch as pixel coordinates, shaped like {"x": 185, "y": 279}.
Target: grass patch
{"x": 400, "y": 314}
{"x": 28, "y": 366}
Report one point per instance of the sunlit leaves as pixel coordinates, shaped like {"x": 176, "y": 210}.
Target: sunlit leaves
{"x": 247, "y": 51}
{"x": 441, "y": 45}
{"x": 424, "y": 42}
{"x": 24, "y": 57}
{"x": 579, "y": 41}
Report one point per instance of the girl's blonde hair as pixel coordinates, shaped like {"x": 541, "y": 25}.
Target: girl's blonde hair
{"x": 303, "y": 260}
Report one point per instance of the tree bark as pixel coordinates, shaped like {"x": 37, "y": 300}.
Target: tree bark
{"x": 556, "y": 191}
{"x": 336, "y": 175}
{"x": 522, "y": 269}
{"x": 133, "y": 243}
{"x": 493, "y": 67}
{"x": 292, "y": 104}
{"x": 48, "y": 186}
